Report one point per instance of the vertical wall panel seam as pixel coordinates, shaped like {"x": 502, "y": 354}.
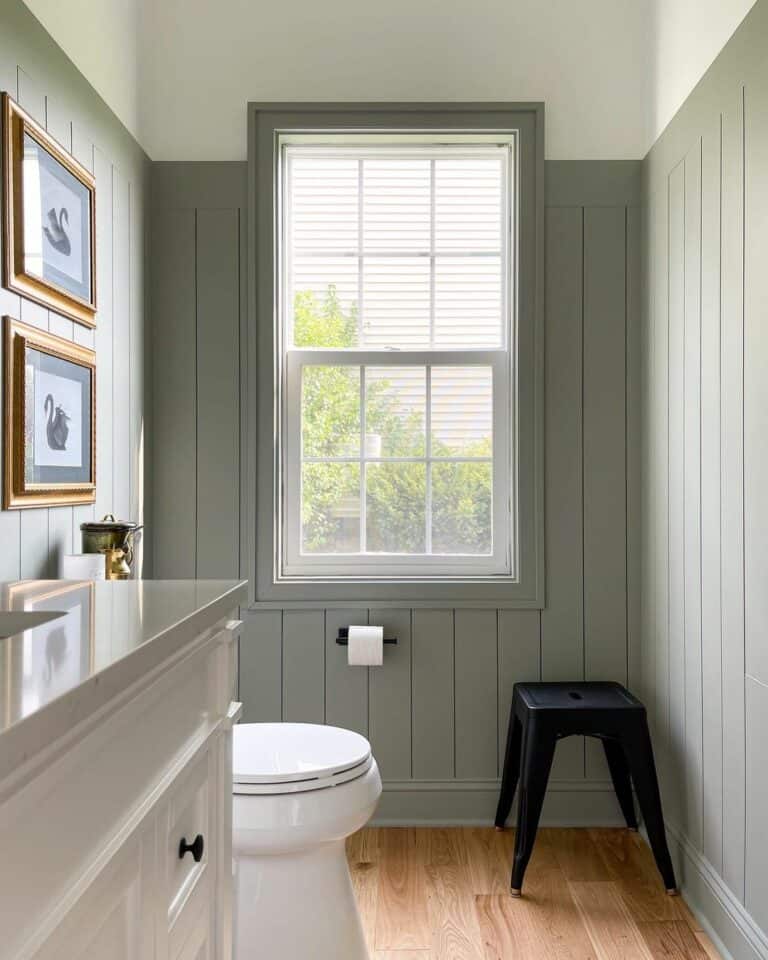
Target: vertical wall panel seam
{"x": 325, "y": 670}
{"x": 669, "y": 475}
{"x": 581, "y": 390}
{"x": 701, "y": 474}
{"x": 239, "y": 398}
{"x": 368, "y": 684}
{"x": 684, "y": 598}
{"x": 411, "y": 619}
{"x": 541, "y": 647}
{"x": 720, "y": 470}
{"x": 453, "y": 669}
{"x": 626, "y": 446}
{"x": 583, "y": 474}
{"x": 744, "y": 456}
{"x": 368, "y": 676}
{"x": 112, "y": 320}
{"x": 282, "y": 665}
{"x": 325, "y": 666}
{"x": 499, "y": 719}
{"x": 129, "y": 316}
{"x": 197, "y": 392}
{"x": 498, "y": 680}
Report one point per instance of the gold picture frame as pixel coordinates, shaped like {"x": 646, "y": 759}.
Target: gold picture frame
{"x": 49, "y": 426}
{"x": 53, "y": 264}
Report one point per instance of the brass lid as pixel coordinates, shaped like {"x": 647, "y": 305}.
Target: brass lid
{"x": 108, "y": 524}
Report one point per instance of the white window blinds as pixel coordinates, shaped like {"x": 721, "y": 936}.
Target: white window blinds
{"x": 412, "y": 243}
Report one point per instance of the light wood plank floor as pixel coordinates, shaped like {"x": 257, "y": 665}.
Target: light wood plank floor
{"x": 442, "y": 894}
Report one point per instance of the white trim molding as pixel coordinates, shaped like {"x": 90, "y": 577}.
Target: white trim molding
{"x": 718, "y": 909}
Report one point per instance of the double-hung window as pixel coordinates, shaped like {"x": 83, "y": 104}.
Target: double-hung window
{"x": 396, "y": 356}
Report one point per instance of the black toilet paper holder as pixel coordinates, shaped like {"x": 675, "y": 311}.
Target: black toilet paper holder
{"x": 343, "y": 638}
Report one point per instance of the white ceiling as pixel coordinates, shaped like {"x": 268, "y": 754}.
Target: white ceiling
{"x": 687, "y": 37}
{"x": 179, "y": 73}
{"x": 102, "y": 40}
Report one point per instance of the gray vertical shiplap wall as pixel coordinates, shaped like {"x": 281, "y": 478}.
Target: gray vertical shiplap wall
{"x": 436, "y": 712}
{"x": 36, "y": 73}
{"x": 197, "y": 236}
{"x": 704, "y": 476}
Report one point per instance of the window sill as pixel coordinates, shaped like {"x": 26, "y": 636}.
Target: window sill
{"x": 447, "y": 594}
{"x": 257, "y": 605}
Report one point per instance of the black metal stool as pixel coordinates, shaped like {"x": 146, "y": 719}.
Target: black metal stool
{"x": 542, "y": 714}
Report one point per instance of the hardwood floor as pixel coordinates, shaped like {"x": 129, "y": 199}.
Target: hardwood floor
{"x": 442, "y": 894}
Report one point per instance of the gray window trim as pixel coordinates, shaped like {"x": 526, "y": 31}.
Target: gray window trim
{"x": 264, "y": 120}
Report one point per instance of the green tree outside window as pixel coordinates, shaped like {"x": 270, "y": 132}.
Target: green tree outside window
{"x": 396, "y": 491}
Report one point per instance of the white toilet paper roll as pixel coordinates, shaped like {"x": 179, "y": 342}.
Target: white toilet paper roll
{"x": 365, "y": 647}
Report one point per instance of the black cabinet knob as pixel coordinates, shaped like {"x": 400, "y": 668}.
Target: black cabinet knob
{"x": 195, "y": 848}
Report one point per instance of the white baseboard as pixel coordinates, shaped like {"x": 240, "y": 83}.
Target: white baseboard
{"x": 723, "y": 916}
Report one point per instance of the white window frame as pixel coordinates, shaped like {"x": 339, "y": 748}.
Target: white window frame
{"x": 502, "y": 561}
{"x": 264, "y": 435}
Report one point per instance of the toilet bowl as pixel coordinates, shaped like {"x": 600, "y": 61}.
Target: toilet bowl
{"x": 299, "y": 790}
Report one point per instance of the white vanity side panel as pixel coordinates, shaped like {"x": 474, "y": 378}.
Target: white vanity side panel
{"x": 113, "y": 920}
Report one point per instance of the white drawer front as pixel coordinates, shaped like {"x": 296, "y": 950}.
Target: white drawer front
{"x": 190, "y": 821}
{"x": 194, "y": 926}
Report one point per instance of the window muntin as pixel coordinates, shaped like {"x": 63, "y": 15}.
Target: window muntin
{"x": 395, "y": 311}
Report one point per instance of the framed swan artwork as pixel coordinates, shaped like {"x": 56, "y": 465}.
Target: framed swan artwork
{"x": 49, "y": 218}
{"x": 49, "y": 427}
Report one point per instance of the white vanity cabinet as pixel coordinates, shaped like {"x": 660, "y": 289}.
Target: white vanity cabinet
{"x": 115, "y": 837}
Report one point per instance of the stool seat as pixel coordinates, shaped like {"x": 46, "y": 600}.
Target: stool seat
{"x": 585, "y": 695}
{"x": 543, "y": 713}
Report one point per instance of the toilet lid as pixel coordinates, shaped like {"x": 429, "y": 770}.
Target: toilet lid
{"x": 285, "y": 754}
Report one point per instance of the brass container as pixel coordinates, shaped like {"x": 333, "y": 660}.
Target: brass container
{"x": 116, "y": 567}
{"x": 116, "y": 537}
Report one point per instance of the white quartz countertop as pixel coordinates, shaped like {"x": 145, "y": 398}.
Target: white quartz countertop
{"x": 106, "y": 636}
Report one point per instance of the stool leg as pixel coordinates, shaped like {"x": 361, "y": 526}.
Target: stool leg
{"x": 511, "y": 770}
{"x": 639, "y": 754}
{"x": 622, "y": 784}
{"x": 538, "y": 751}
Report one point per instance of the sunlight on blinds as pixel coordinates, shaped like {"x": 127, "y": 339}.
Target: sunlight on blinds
{"x": 402, "y": 251}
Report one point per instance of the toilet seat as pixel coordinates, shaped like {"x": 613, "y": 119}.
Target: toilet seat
{"x": 275, "y": 758}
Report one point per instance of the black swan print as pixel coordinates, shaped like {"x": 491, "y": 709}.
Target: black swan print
{"x": 57, "y": 233}
{"x": 57, "y": 429}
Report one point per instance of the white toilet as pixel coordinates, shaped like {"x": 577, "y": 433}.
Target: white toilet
{"x": 299, "y": 791}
